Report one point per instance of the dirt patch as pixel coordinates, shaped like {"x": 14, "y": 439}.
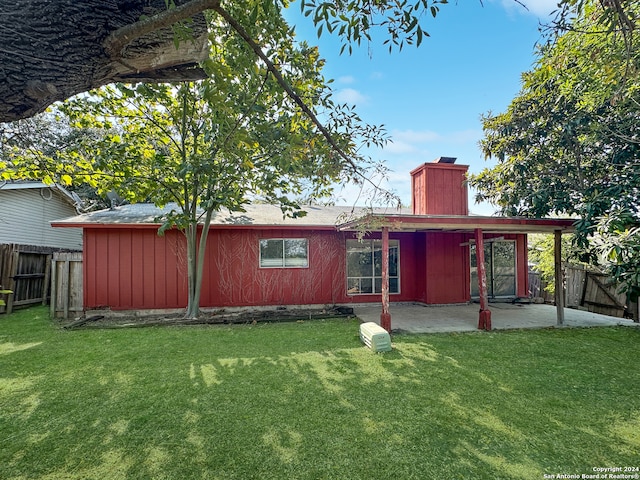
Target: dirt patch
{"x": 218, "y": 317}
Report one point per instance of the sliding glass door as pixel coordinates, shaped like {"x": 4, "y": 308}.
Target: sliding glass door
{"x": 500, "y": 264}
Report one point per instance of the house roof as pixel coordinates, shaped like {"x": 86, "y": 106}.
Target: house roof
{"x": 325, "y": 217}
{"x": 256, "y": 215}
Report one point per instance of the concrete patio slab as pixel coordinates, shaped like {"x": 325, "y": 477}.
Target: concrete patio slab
{"x": 419, "y": 318}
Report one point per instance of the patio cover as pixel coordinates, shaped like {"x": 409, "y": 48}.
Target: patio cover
{"x": 477, "y": 225}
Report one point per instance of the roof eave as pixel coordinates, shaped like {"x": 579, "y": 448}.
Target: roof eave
{"x": 460, "y": 224}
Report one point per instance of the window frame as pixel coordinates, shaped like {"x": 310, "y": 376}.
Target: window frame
{"x": 284, "y": 257}
{"x": 393, "y": 244}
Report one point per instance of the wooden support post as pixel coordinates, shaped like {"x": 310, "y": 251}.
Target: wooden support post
{"x": 385, "y": 316}
{"x": 559, "y": 290}
{"x": 484, "y": 317}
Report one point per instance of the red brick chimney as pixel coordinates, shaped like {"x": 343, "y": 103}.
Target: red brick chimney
{"x": 440, "y": 188}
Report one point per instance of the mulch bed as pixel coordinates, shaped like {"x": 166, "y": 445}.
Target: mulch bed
{"x": 218, "y": 317}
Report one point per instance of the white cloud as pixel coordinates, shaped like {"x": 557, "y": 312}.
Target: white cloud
{"x": 347, "y": 79}
{"x": 464, "y": 136}
{"x": 398, "y": 147}
{"x": 412, "y": 141}
{"x": 412, "y": 136}
{"x": 351, "y": 96}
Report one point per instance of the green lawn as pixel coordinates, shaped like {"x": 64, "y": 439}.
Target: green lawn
{"x": 308, "y": 401}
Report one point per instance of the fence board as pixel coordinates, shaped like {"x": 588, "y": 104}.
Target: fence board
{"x": 575, "y": 282}
{"x": 601, "y": 295}
{"x": 66, "y": 290}
{"x": 594, "y": 291}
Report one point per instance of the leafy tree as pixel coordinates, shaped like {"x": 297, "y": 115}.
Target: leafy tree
{"x": 218, "y": 143}
{"x": 569, "y": 143}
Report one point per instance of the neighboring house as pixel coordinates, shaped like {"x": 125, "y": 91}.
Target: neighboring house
{"x": 27, "y": 240}
{"x": 257, "y": 258}
{"x": 26, "y": 210}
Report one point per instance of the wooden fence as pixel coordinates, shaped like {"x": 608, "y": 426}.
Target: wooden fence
{"x": 594, "y": 291}
{"x": 25, "y": 270}
{"x": 537, "y": 287}
{"x": 66, "y": 285}
{"x": 588, "y": 290}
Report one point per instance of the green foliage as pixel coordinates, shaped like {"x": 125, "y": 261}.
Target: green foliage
{"x": 619, "y": 247}
{"x": 34, "y": 148}
{"x": 4, "y": 292}
{"x": 354, "y": 20}
{"x": 569, "y": 143}
{"x": 541, "y": 254}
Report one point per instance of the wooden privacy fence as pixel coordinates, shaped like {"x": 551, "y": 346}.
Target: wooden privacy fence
{"x": 588, "y": 290}
{"x": 594, "y": 291}
{"x": 66, "y": 285}
{"x": 537, "y": 287}
{"x": 25, "y": 270}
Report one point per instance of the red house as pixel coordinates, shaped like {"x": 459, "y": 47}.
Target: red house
{"x": 257, "y": 258}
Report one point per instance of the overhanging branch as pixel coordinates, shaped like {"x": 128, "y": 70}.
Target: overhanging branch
{"x": 283, "y": 83}
{"x": 117, "y": 40}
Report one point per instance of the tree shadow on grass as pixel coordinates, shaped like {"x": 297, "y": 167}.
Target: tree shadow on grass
{"x": 434, "y": 407}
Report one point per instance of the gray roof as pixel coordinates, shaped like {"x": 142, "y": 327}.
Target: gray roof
{"x": 255, "y": 215}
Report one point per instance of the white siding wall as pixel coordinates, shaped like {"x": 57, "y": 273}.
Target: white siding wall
{"x": 25, "y": 215}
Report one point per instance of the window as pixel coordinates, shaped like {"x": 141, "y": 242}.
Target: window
{"x": 364, "y": 267}
{"x": 284, "y": 252}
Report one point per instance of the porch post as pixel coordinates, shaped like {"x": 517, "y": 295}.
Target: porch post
{"x": 484, "y": 318}
{"x": 559, "y": 290}
{"x": 385, "y": 316}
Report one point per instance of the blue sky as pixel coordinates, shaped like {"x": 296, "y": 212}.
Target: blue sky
{"x": 431, "y": 98}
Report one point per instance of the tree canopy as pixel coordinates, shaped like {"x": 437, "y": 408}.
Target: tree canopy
{"x": 202, "y": 146}
{"x": 569, "y": 143}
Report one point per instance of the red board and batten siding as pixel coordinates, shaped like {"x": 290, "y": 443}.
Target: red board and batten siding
{"x": 439, "y": 189}
{"x": 234, "y": 277}
{"x": 447, "y": 268}
{"x": 522, "y": 265}
{"x": 134, "y": 268}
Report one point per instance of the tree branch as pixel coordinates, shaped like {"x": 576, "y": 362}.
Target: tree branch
{"x": 117, "y": 40}
{"x": 283, "y": 83}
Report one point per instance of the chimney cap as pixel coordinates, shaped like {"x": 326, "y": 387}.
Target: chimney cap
{"x": 445, "y": 160}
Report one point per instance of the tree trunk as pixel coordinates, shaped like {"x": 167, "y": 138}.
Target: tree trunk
{"x": 196, "y": 266}
{"x": 52, "y": 50}
{"x": 192, "y": 306}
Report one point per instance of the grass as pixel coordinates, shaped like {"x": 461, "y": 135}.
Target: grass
{"x": 308, "y": 401}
